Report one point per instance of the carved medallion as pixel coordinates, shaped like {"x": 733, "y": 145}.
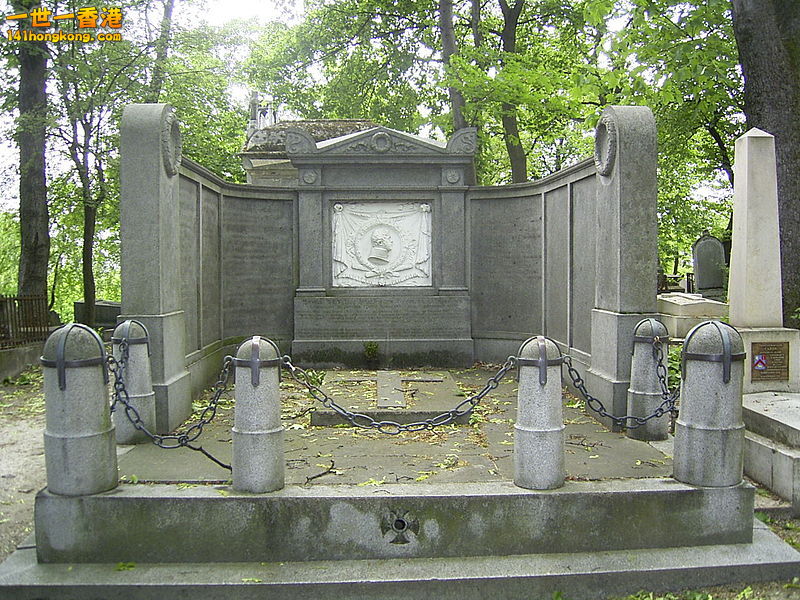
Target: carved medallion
{"x": 605, "y": 145}
{"x": 377, "y": 244}
{"x": 171, "y": 143}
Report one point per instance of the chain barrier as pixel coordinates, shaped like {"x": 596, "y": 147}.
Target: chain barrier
{"x": 669, "y": 397}
{"x": 392, "y": 427}
{"x": 118, "y": 369}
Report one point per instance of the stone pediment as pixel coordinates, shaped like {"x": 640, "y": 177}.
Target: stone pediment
{"x": 380, "y": 141}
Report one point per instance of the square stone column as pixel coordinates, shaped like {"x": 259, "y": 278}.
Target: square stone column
{"x": 627, "y": 246}
{"x": 150, "y": 149}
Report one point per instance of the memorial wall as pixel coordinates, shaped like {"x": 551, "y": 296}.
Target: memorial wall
{"x": 381, "y": 244}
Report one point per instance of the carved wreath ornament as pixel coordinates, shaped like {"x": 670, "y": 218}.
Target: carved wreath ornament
{"x": 605, "y": 145}
{"x": 171, "y": 145}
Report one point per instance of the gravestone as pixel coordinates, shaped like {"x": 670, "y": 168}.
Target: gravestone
{"x": 708, "y": 260}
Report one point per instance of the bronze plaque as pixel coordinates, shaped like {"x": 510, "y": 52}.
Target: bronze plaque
{"x": 769, "y": 361}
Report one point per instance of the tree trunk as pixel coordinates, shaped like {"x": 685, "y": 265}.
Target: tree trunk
{"x": 516, "y": 153}
{"x": 162, "y": 46}
{"x": 31, "y": 130}
{"x": 87, "y": 259}
{"x": 768, "y": 37}
{"x": 448, "y": 49}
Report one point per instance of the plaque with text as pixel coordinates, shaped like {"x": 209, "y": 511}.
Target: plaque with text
{"x": 769, "y": 361}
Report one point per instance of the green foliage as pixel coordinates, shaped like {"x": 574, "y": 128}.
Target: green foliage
{"x": 9, "y": 253}
{"x": 371, "y": 351}
{"x": 198, "y": 75}
{"x": 313, "y": 377}
{"x": 674, "y": 367}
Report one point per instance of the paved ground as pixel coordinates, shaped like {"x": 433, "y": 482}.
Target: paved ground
{"x": 478, "y": 451}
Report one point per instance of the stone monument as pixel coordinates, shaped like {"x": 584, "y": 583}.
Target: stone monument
{"x": 771, "y": 404}
{"x": 382, "y": 251}
{"x": 627, "y": 260}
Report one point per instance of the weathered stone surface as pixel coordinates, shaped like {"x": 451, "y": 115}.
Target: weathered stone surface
{"x": 258, "y": 454}
{"x": 645, "y": 393}
{"x": 539, "y": 427}
{"x": 80, "y": 454}
{"x": 754, "y": 287}
{"x": 579, "y": 576}
{"x": 708, "y": 261}
{"x": 150, "y": 151}
{"x": 148, "y": 523}
{"x": 138, "y": 383}
{"x": 709, "y": 434}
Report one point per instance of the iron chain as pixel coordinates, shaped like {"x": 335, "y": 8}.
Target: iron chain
{"x": 392, "y": 427}
{"x": 669, "y": 398}
{"x": 118, "y": 369}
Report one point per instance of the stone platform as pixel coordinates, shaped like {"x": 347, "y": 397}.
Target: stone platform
{"x": 772, "y": 442}
{"x": 424, "y": 515}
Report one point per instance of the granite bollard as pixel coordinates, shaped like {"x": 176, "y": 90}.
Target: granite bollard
{"x": 709, "y": 434}
{"x": 138, "y": 382}
{"x": 644, "y": 393}
{"x": 258, "y": 457}
{"x": 79, "y": 440}
{"x": 539, "y": 430}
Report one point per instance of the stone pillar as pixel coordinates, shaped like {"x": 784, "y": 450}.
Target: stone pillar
{"x": 627, "y": 246}
{"x": 644, "y": 393}
{"x": 755, "y": 293}
{"x": 258, "y": 456}
{"x": 709, "y": 433}
{"x": 150, "y": 149}
{"x": 539, "y": 430}
{"x": 79, "y": 442}
{"x": 138, "y": 383}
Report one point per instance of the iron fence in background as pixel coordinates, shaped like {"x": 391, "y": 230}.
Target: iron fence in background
{"x": 23, "y": 320}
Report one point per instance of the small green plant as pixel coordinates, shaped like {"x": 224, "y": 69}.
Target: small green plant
{"x": 674, "y": 367}
{"x": 371, "y": 352}
{"x": 315, "y": 378}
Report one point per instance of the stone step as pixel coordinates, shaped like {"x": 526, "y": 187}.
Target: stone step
{"x": 773, "y": 415}
{"x": 773, "y": 465}
{"x": 578, "y": 576}
{"x": 168, "y": 523}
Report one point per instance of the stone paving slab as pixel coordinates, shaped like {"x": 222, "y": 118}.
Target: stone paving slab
{"x": 476, "y": 452}
{"x": 399, "y": 396}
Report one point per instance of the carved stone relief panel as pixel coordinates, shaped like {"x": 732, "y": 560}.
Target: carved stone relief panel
{"x": 378, "y": 244}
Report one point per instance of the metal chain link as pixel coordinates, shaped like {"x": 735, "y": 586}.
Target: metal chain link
{"x": 392, "y": 427}
{"x": 118, "y": 369}
{"x": 668, "y": 404}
